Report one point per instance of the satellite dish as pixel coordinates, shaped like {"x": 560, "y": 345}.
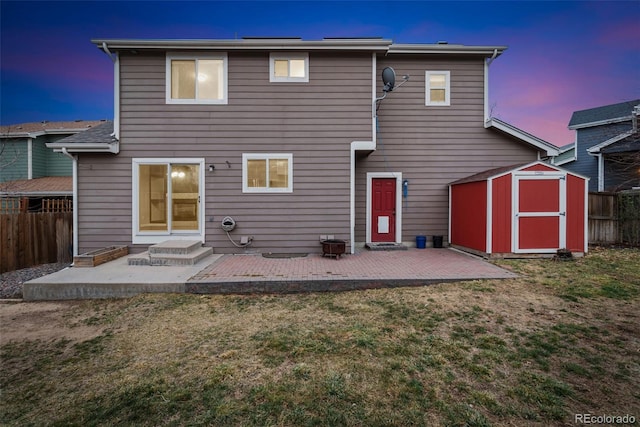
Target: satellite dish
{"x": 388, "y": 79}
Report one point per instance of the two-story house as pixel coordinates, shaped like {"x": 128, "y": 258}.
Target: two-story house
{"x": 606, "y": 147}
{"x": 291, "y": 139}
{"x": 29, "y": 171}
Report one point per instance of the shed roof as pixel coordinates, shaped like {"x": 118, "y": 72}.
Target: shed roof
{"x": 484, "y": 175}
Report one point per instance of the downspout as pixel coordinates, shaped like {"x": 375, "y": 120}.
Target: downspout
{"x": 74, "y": 162}
{"x": 115, "y": 58}
{"x": 600, "y": 172}
{"x": 486, "y": 86}
{"x": 30, "y": 158}
{"x": 361, "y": 145}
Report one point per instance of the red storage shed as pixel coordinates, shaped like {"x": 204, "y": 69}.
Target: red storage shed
{"x": 520, "y": 210}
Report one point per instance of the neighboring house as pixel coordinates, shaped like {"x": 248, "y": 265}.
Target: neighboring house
{"x": 289, "y": 138}
{"x": 606, "y": 147}
{"x": 29, "y": 171}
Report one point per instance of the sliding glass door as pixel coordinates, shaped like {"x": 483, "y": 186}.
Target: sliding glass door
{"x": 167, "y": 198}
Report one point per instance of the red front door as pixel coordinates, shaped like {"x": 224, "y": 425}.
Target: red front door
{"x": 383, "y": 210}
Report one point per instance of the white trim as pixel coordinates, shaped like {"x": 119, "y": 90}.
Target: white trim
{"x": 516, "y": 214}
{"x": 398, "y": 225}
{"x": 586, "y": 215}
{"x": 447, "y": 89}
{"x": 197, "y": 57}
{"x": 116, "y": 98}
{"x": 151, "y": 237}
{"x": 267, "y": 156}
{"x": 288, "y": 56}
{"x": 596, "y": 148}
{"x": 601, "y": 122}
{"x": 489, "y": 229}
{"x": 486, "y": 91}
{"x": 29, "y": 158}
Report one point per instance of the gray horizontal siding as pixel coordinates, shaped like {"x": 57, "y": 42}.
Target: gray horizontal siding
{"x": 314, "y": 121}
{"x": 433, "y": 146}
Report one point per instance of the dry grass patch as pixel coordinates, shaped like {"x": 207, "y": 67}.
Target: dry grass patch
{"x": 563, "y": 338}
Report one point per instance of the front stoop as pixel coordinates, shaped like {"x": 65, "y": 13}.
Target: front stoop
{"x": 172, "y": 252}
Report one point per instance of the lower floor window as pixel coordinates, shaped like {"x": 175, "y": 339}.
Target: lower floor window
{"x": 267, "y": 173}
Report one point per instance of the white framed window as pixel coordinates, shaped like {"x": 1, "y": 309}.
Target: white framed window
{"x": 438, "y": 88}
{"x": 289, "y": 67}
{"x": 267, "y": 173}
{"x": 198, "y": 79}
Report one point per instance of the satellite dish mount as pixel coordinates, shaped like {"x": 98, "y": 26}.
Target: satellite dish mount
{"x": 388, "y": 79}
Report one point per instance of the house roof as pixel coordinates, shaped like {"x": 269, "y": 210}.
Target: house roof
{"x": 375, "y": 44}
{"x": 97, "y": 139}
{"x": 521, "y": 135}
{"x": 47, "y": 186}
{"x": 603, "y": 115}
{"x": 35, "y": 129}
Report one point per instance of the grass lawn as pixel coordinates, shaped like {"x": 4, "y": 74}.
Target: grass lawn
{"x": 562, "y": 339}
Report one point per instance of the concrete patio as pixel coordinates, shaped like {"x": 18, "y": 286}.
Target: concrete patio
{"x": 257, "y": 274}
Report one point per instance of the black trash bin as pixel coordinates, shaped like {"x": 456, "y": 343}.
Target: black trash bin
{"x": 437, "y": 241}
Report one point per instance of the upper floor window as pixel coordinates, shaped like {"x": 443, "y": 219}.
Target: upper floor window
{"x": 289, "y": 67}
{"x": 198, "y": 79}
{"x": 438, "y": 90}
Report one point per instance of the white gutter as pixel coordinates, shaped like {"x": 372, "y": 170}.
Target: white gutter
{"x": 86, "y": 147}
{"x": 291, "y": 44}
{"x": 74, "y": 162}
{"x": 361, "y": 146}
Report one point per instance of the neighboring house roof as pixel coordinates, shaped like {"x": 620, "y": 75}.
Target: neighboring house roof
{"x": 47, "y": 186}
{"x": 99, "y": 139}
{"x": 35, "y": 129}
{"x": 630, "y": 143}
{"x": 505, "y": 127}
{"x": 603, "y": 115}
{"x": 567, "y": 154}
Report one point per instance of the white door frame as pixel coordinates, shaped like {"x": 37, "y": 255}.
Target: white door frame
{"x": 516, "y": 214}
{"x": 398, "y": 178}
{"x": 152, "y": 237}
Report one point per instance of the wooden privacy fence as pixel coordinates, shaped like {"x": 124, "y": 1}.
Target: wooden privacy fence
{"x": 28, "y": 239}
{"x": 614, "y": 218}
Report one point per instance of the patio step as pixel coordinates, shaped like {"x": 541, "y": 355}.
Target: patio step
{"x": 386, "y": 247}
{"x": 172, "y": 252}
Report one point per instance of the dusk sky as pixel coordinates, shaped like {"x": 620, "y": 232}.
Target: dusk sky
{"x": 562, "y": 56}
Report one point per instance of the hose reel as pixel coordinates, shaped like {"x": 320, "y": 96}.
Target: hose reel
{"x": 228, "y": 224}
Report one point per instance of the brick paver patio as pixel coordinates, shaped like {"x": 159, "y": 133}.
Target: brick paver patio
{"x": 365, "y": 269}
